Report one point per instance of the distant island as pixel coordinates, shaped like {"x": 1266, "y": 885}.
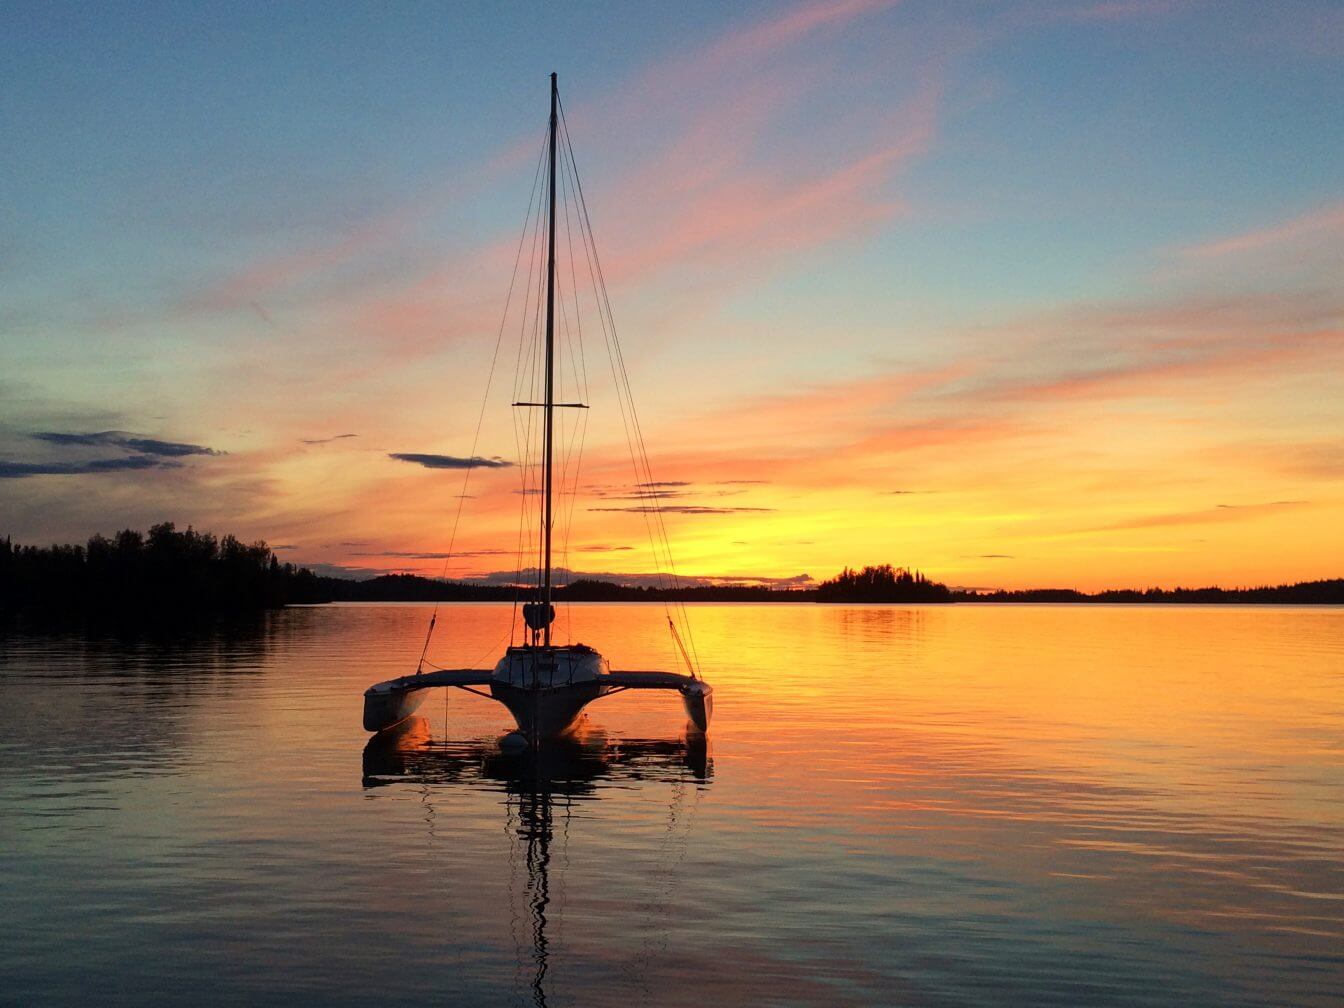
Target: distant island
{"x": 171, "y": 571}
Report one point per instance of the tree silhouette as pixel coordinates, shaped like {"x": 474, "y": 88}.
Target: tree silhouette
{"x": 883, "y": 583}
{"x": 163, "y": 571}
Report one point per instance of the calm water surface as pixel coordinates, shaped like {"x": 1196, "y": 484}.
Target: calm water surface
{"x": 946, "y": 806}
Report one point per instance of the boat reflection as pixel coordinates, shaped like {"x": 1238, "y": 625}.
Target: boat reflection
{"x": 572, "y": 765}
{"x": 542, "y": 786}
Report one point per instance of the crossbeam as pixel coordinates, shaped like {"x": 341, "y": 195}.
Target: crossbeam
{"x": 441, "y": 677}
{"x": 646, "y": 680}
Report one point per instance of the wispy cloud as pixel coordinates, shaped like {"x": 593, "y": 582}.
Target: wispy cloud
{"x": 686, "y": 509}
{"x": 1310, "y": 459}
{"x": 450, "y": 461}
{"x": 327, "y": 440}
{"x": 1218, "y": 513}
{"x": 767, "y": 37}
{"x": 132, "y": 463}
{"x": 126, "y": 440}
{"x": 647, "y": 495}
{"x": 724, "y": 201}
{"x": 417, "y": 555}
{"x": 1325, "y": 222}
{"x": 1036, "y": 384}
{"x": 149, "y": 453}
{"x": 759, "y": 216}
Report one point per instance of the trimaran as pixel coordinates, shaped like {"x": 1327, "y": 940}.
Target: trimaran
{"x": 544, "y": 685}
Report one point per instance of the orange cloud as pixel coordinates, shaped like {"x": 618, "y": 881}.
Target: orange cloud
{"x": 1220, "y": 513}
{"x": 1029, "y": 427}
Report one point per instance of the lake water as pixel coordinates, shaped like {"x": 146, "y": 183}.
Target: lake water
{"x": 959, "y": 805}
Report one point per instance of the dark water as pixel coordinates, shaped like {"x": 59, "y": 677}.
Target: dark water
{"x": 943, "y": 806}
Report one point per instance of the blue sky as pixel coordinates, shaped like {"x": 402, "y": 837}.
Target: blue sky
{"x": 249, "y": 226}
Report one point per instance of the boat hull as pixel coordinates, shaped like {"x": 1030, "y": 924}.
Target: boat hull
{"x": 387, "y": 709}
{"x": 545, "y": 689}
{"x": 698, "y": 698}
{"x": 546, "y": 711}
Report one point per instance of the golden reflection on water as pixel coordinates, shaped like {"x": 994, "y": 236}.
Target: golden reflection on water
{"x": 1179, "y": 764}
{"x": 542, "y": 786}
{"x": 1064, "y": 805}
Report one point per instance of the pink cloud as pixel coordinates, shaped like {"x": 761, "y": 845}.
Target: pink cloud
{"x": 748, "y": 45}
{"x": 278, "y": 273}
{"x": 282, "y": 272}
{"x": 1325, "y": 222}
{"x": 1239, "y": 360}
{"x": 261, "y": 279}
{"x": 724, "y": 212}
{"x": 803, "y": 20}
{"x": 753, "y": 219}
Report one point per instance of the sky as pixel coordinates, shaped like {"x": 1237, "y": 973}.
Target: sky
{"x": 1020, "y": 295}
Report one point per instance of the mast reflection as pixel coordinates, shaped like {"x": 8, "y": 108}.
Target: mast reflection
{"x": 541, "y": 785}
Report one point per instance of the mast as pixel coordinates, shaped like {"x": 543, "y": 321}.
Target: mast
{"x": 548, "y": 466}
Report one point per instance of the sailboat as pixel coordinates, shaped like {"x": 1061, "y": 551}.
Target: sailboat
{"x": 544, "y": 685}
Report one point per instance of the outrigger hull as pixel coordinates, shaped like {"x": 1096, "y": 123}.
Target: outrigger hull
{"x": 387, "y": 704}
{"x": 386, "y": 710}
{"x": 698, "y": 698}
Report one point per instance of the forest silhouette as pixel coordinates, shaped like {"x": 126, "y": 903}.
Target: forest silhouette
{"x": 166, "y": 572}
{"x": 163, "y": 571}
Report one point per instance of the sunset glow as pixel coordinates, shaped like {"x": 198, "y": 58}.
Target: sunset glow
{"x": 1019, "y": 295}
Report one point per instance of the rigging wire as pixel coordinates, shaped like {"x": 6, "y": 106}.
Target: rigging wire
{"x": 525, "y": 428}
{"x": 573, "y": 446}
{"x": 527, "y": 364}
{"x": 480, "y": 416}
{"x": 643, "y": 470}
{"x": 624, "y": 400}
